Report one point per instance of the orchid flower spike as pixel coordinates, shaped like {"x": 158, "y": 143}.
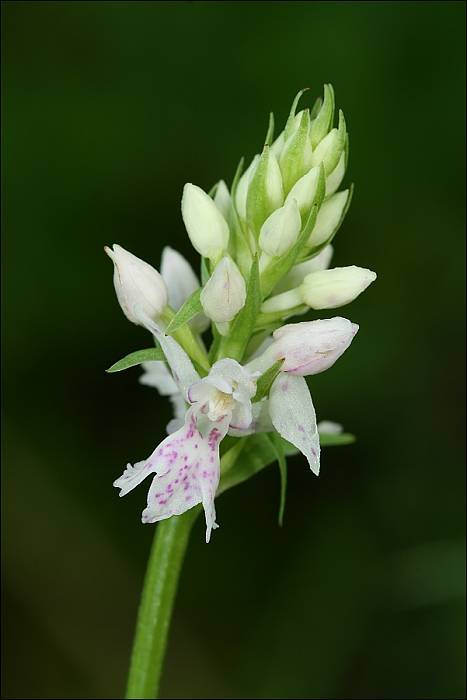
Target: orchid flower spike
{"x": 266, "y": 245}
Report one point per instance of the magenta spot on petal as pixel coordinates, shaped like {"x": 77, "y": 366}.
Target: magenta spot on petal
{"x": 313, "y": 452}
{"x": 301, "y": 428}
{"x": 285, "y": 386}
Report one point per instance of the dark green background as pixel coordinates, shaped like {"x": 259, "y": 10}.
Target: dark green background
{"x": 109, "y": 108}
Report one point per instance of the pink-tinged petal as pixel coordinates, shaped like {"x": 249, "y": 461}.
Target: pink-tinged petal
{"x": 180, "y": 364}
{"x": 133, "y": 475}
{"x": 187, "y": 468}
{"x": 293, "y": 416}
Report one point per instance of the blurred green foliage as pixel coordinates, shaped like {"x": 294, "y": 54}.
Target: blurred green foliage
{"x": 109, "y": 108}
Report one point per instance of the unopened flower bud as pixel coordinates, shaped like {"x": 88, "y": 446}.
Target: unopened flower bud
{"x": 242, "y": 188}
{"x": 329, "y": 289}
{"x": 139, "y": 287}
{"x": 296, "y": 156}
{"x": 331, "y": 147}
{"x": 206, "y": 227}
{"x": 329, "y": 217}
{"x": 323, "y": 121}
{"x": 222, "y": 199}
{"x": 224, "y": 293}
{"x": 305, "y": 191}
{"x": 265, "y": 192}
{"x": 311, "y": 347}
{"x": 335, "y": 178}
{"x": 280, "y": 230}
{"x": 307, "y": 348}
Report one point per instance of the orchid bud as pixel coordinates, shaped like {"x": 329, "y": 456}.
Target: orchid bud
{"x": 311, "y": 347}
{"x": 296, "y": 156}
{"x": 329, "y": 217}
{"x": 305, "y": 191}
{"x": 329, "y": 289}
{"x": 297, "y": 274}
{"x": 280, "y": 230}
{"x": 323, "y": 121}
{"x": 224, "y": 293}
{"x": 242, "y": 188}
{"x": 137, "y": 284}
{"x": 335, "y": 178}
{"x": 265, "y": 193}
{"x": 331, "y": 147}
{"x": 222, "y": 199}
{"x": 206, "y": 227}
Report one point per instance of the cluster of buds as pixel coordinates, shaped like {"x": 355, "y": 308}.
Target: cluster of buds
{"x": 266, "y": 248}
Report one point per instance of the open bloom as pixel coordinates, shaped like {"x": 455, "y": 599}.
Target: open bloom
{"x": 186, "y": 464}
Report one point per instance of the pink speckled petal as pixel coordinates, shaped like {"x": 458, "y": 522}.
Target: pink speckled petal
{"x": 187, "y": 472}
{"x": 293, "y": 416}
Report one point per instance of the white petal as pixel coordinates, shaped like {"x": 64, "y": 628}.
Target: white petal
{"x": 187, "y": 470}
{"x": 182, "y": 368}
{"x": 158, "y": 376}
{"x": 179, "y": 277}
{"x": 293, "y": 416}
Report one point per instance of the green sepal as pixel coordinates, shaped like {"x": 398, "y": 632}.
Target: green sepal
{"x": 136, "y": 358}
{"x": 189, "y": 309}
{"x": 291, "y": 118}
{"x": 266, "y": 379}
{"x": 323, "y": 122}
{"x": 270, "y": 131}
{"x": 235, "y": 344}
{"x": 316, "y": 107}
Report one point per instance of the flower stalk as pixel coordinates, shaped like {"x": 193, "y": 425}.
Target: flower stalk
{"x": 157, "y": 601}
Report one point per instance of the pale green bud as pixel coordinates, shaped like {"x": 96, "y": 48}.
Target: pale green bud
{"x": 329, "y": 289}
{"x": 280, "y": 230}
{"x": 242, "y": 188}
{"x": 296, "y": 156}
{"x": 222, "y": 199}
{"x": 335, "y": 178}
{"x": 305, "y": 190}
{"x": 265, "y": 192}
{"x": 322, "y": 123}
{"x": 331, "y": 147}
{"x": 224, "y": 293}
{"x": 328, "y": 219}
{"x": 206, "y": 227}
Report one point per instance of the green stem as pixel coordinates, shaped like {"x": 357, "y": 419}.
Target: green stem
{"x": 155, "y": 610}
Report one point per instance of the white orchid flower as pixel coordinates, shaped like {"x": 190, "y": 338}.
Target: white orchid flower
{"x": 186, "y": 464}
